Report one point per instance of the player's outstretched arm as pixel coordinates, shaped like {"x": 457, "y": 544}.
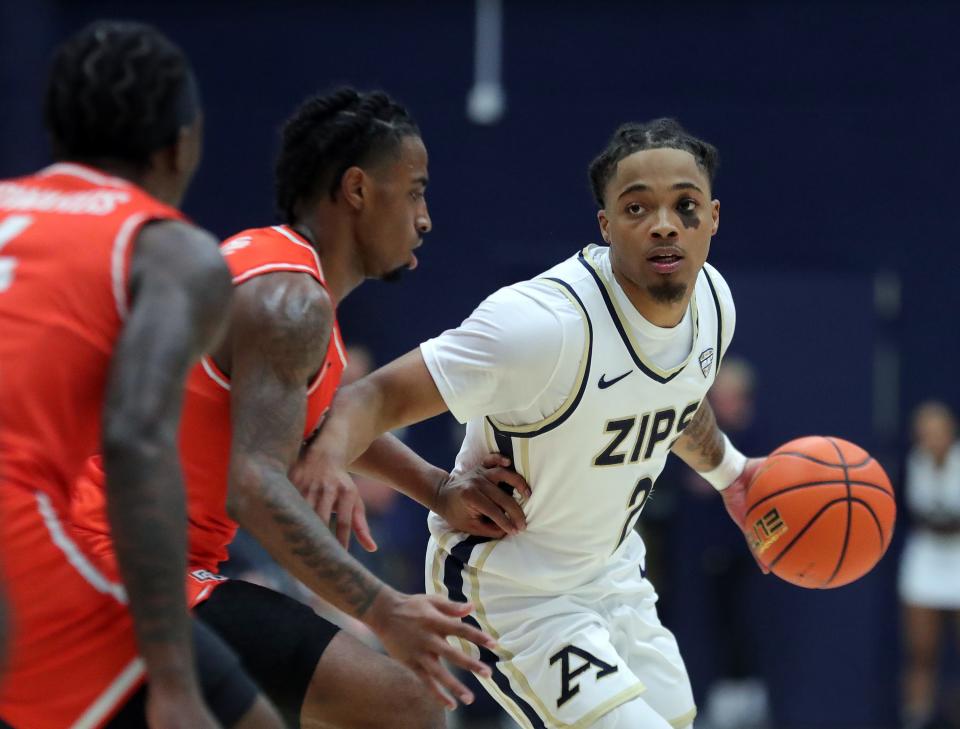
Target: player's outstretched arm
{"x": 705, "y": 448}
{"x": 179, "y": 292}
{"x": 398, "y": 394}
{"x": 472, "y": 501}
{"x": 280, "y": 326}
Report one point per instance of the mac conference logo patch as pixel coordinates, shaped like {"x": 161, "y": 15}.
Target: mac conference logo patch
{"x": 706, "y": 361}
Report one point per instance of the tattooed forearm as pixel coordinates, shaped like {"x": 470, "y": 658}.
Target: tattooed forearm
{"x": 303, "y": 544}
{"x": 701, "y": 444}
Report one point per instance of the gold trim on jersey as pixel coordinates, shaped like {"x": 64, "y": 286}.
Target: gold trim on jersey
{"x": 627, "y": 327}
{"x": 523, "y": 461}
{"x": 439, "y": 557}
{"x": 682, "y": 722}
{"x": 488, "y": 436}
{"x": 628, "y": 694}
{"x": 572, "y": 397}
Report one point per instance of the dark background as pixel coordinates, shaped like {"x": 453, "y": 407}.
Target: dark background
{"x": 837, "y": 125}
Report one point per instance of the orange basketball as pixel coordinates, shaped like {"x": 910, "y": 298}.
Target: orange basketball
{"x": 820, "y": 512}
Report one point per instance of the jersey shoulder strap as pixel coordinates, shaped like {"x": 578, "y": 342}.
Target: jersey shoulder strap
{"x": 258, "y": 251}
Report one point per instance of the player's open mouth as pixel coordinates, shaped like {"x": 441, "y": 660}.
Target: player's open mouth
{"x": 665, "y": 262}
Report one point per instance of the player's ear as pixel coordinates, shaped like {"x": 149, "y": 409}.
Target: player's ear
{"x": 173, "y": 158}
{"x": 353, "y": 187}
{"x": 715, "y": 215}
{"x": 185, "y": 151}
{"x": 604, "y": 224}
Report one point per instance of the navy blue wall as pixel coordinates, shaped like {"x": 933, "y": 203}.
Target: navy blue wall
{"x": 837, "y": 124}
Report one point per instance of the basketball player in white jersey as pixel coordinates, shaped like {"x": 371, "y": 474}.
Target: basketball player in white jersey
{"x": 586, "y": 377}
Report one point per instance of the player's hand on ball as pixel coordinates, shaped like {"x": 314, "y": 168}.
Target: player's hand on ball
{"x": 414, "y": 630}
{"x": 474, "y": 502}
{"x": 735, "y": 498}
{"x": 331, "y": 490}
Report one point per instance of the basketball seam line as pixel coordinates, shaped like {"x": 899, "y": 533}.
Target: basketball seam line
{"x": 846, "y": 535}
{"x": 804, "y": 530}
{"x": 809, "y": 484}
{"x": 813, "y": 520}
{"x": 804, "y": 456}
{"x": 876, "y": 519}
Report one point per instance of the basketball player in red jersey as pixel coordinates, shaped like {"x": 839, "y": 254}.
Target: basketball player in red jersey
{"x": 350, "y": 182}
{"x": 107, "y": 295}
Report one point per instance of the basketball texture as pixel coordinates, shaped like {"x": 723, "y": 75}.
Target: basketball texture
{"x": 820, "y": 512}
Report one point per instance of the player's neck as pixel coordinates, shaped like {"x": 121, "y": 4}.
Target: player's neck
{"x": 136, "y": 175}
{"x": 341, "y": 272}
{"x": 659, "y": 313}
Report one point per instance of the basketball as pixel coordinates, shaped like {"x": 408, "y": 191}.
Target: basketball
{"x": 820, "y": 512}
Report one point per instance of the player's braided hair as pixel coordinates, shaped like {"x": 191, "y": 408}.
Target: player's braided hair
{"x": 656, "y": 134}
{"x": 329, "y": 134}
{"x": 118, "y": 90}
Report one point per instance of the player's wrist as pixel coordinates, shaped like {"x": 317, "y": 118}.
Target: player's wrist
{"x": 729, "y": 469}
{"x": 382, "y": 609}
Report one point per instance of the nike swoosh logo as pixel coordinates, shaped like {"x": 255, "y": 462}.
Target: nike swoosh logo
{"x": 603, "y": 384}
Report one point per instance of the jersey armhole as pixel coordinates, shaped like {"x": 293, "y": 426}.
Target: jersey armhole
{"x": 121, "y": 259}
{"x": 579, "y": 384}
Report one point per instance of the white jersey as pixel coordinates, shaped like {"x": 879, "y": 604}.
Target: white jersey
{"x": 584, "y": 411}
{"x": 928, "y": 568}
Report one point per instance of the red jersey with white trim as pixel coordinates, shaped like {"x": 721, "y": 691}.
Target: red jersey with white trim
{"x": 65, "y": 247}
{"x": 205, "y": 431}
{"x": 65, "y": 235}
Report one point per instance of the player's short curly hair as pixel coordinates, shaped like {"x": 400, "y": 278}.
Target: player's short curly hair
{"x": 329, "y": 134}
{"x": 656, "y": 134}
{"x": 118, "y": 90}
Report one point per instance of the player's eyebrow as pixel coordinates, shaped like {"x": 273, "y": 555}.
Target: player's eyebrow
{"x": 635, "y": 187}
{"x": 641, "y": 187}
{"x": 422, "y": 180}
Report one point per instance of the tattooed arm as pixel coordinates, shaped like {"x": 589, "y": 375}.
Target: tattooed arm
{"x": 280, "y": 326}
{"x": 179, "y": 290}
{"x": 701, "y": 445}
{"x": 279, "y": 330}
{"x": 706, "y": 450}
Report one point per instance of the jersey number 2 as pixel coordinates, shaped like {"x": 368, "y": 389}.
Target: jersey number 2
{"x": 637, "y": 499}
{"x": 10, "y": 228}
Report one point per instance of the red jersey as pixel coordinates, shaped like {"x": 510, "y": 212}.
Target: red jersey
{"x": 65, "y": 236}
{"x": 205, "y": 431}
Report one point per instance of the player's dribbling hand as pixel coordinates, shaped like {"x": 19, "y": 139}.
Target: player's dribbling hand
{"x": 414, "y": 630}
{"x": 182, "y": 709}
{"x": 735, "y": 499}
{"x": 331, "y": 491}
{"x": 474, "y": 503}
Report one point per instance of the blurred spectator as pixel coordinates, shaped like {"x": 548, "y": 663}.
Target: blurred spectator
{"x": 930, "y": 566}
{"x": 711, "y": 577}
